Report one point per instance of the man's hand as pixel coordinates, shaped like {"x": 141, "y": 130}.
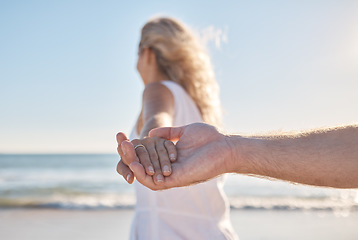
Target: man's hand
{"x": 203, "y": 153}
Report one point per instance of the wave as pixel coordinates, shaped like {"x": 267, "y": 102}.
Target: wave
{"x": 293, "y": 203}
{"x": 128, "y": 202}
{"x": 70, "y": 202}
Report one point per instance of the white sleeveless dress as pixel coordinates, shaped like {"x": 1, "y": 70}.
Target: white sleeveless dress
{"x": 196, "y": 212}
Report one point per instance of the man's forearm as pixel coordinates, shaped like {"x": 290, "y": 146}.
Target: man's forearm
{"x": 323, "y": 158}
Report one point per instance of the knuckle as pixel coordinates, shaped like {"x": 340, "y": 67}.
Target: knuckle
{"x": 153, "y": 156}
{"x": 162, "y": 151}
{"x": 148, "y": 140}
{"x": 165, "y": 161}
{"x": 169, "y": 145}
{"x": 141, "y": 152}
{"x": 143, "y": 157}
{"x": 163, "y": 154}
{"x": 145, "y": 161}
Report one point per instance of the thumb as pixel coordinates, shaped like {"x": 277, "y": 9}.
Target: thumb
{"x": 121, "y": 137}
{"x": 169, "y": 133}
{"x": 129, "y": 154}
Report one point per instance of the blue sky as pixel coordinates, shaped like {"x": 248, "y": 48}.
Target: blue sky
{"x": 68, "y": 81}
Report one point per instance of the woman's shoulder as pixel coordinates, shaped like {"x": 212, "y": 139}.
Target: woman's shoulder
{"x": 164, "y": 88}
{"x": 169, "y": 83}
{"x": 174, "y": 87}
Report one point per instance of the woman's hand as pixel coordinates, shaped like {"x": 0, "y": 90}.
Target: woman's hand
{"x": 156, "y": 155}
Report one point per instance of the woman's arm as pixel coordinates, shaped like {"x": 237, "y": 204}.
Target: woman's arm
{"x": 156, "y": 154}
{"x": 152, "y": 153}
{"x": 158, "y": 108}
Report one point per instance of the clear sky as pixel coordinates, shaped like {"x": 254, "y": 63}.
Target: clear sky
{"x": 68, "y": 81}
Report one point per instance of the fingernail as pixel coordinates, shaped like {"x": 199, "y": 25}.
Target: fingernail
{"x": 166, "y": 169}
{"x": 151, "y": 169}
{"x": 160, "y": 178}
{"x": 172, "y": 156}
{"x": 128, "y": 177}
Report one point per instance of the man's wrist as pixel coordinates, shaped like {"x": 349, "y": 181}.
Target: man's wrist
{"x": 235, "y": 162}
{"x": 244, "y": 152}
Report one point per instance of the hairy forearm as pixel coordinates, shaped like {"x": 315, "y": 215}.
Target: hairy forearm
{"x": 323, "y": 158}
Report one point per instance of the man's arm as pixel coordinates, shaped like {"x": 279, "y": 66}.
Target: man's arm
{"x": 325, "y": 157}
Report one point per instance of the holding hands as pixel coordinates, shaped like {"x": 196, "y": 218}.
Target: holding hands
{"x": 202, "y": 153}
{"x": 154, "y": 154}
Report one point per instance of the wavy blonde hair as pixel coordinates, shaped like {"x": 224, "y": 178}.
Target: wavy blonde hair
{"x": 180, "y": 56}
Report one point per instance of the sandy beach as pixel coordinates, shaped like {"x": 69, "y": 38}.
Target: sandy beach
{"x": 47, "y": 224}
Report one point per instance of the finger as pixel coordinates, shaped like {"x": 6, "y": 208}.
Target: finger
{"x": 143, "y": 178}
{"x": 120, "y": 138}
{"x": 154, "y": 158}
{"x": 163, "y": 158}
{"x": 144, "y": 159}
{"x": 129, "y": 154}
{"x": 171, "y": 149}
{"x": 124, "y": 170}
{"x": 170, "y": 133}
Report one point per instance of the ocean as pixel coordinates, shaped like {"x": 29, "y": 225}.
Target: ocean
{"x": 90, "y": 181}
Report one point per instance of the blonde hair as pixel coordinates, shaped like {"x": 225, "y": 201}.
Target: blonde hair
{"x": 180, "y": 56}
